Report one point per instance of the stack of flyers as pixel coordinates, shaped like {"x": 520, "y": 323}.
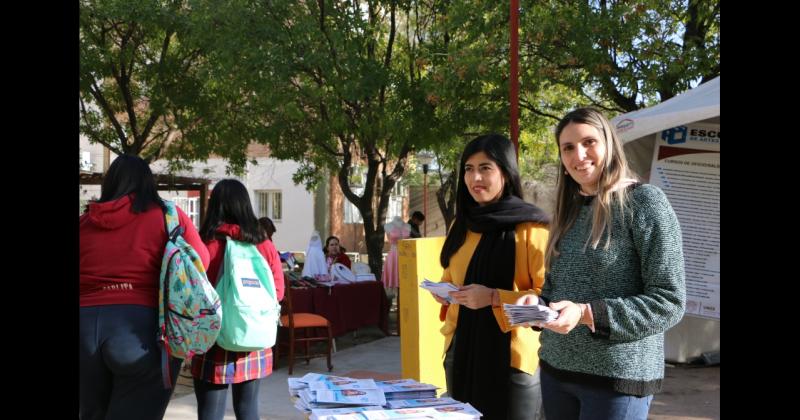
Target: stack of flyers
{"x": 390, "y": 382}
{"x": 439, "y": 289}
{"x": 350, "y": 397}
{"x": 523, "y": 314}
{"x": 298, "y": 384}
{"x": 327, "y": 397}
{"x": 341, "y": 413}
{"x": 304, "y": 389}
{"x": 307, "y": 401}
{"x": 295, "y": 386}
{"x": 314, "y": 377}
{"x": 407, "y": 389}
{"x": 341, "y": 384}
{"x": 461, "y": 411}
{"x": 421, "y": 402}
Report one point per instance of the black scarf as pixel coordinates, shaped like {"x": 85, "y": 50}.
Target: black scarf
{"x": 483, "y": 352}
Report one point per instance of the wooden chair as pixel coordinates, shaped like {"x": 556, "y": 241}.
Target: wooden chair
{"x": 301, "y": 328}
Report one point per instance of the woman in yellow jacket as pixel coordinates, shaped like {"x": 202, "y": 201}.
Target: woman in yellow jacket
{"x": 494, "y": 253}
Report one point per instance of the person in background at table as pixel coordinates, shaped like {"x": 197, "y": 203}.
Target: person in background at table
{"x": 268, "y": 226}
{"x": 416, "y": 219}
{"x": 334, "y": 253}
{"x": 494, "y": 253}
{"x": 122, "y": 240}
{"x": 615, "y": 273}
{"x": 230, "y": 214}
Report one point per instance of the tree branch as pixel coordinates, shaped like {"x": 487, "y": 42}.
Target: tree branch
{"x": 104, "y": 105}
{"x": 92, "y": 133}
{"x": 387, "y": 59}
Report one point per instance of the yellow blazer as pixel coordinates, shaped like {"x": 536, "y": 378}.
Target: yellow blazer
{"x": 528, "y": 276}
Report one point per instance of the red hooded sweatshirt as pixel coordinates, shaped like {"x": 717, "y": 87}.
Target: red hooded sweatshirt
{"x": 216, "y": 251}
{"x": 121, "y": 251}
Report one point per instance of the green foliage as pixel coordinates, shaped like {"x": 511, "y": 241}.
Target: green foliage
{"x": 337, "y": 85}
{"x": 146, "y": 87}
{"x": 622, "y": 55}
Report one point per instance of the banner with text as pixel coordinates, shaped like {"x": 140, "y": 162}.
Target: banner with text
{"x": 686, "y": 167}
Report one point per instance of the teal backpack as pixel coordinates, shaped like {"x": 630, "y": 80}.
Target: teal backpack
{"x": 189, "y": 312}
{"x": 249, "y": 301}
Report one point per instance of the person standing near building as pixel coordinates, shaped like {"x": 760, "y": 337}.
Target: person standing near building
{"x": 268, "y": 226}
{"x": 416, "y": 219}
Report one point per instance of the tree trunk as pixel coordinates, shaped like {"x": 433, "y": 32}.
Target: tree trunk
{"x": 446, "y": 198}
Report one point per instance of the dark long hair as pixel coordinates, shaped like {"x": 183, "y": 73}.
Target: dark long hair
{"x": 614, "y": 176}
{"x": 230, "y": 203}
{"x": 500, "y": 150}
{"x": 342, "y": 250}
{"x": 268, "y": 226}
{"x": 130, "y": 174}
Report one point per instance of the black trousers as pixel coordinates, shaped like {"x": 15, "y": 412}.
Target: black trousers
{"x": 524, "y": 399}
{"x": 120, "y": 364}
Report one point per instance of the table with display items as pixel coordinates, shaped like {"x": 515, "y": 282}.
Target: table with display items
{"x": 348, "y": 307}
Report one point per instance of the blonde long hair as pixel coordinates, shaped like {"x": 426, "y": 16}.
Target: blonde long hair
{"x": 614, "y": 177}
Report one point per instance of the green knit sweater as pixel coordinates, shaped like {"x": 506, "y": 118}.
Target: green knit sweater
{"x": 636, "y": 289}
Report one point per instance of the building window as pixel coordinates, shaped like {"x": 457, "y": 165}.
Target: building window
{"x": 190, "y": 206}
{"x": 395, "y": 203}
{"x": 351, "y": 213}
{"x": 269, "y": 204}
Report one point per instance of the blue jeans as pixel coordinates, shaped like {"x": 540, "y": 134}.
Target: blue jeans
{"x": 211, "y": 400}
{"x": 120, "y": 364}
{"x": 567, "y": 400}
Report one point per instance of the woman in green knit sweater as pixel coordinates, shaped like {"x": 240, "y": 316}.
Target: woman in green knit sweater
{"x": 615, "y": 273}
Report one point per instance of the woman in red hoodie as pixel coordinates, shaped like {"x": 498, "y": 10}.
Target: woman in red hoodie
{"x": 122, "y": 239}
{"x": 231, "y": 214}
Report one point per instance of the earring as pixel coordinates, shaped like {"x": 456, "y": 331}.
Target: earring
{"x": 565, "y": 172}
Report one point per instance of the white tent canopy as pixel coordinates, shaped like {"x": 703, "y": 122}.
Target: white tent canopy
{"x": 638, "y": 129}
{"x": 693, "y": 105}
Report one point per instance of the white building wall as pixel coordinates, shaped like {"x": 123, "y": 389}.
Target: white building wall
{"x": 96, "y": 152}
{"x": 90, "y": 192}
{"x": 297, "y": 222}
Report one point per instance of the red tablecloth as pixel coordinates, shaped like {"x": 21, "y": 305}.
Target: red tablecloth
{"x": 347, "y": 306}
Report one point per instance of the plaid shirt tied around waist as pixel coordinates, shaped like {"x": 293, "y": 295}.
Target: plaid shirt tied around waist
{"x": 220, "y": 366}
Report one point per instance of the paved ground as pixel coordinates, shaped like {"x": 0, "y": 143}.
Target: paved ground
{"x": 690, "y": 392}
{"x": 274, "y": 403}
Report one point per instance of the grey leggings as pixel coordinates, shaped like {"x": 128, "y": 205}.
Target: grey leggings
{"x": 525, "y": 393}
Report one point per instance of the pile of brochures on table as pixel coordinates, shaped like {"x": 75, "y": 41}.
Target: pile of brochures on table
{"x": 329, "y": 397}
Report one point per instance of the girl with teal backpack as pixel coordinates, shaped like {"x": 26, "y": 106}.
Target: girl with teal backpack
{"x": 231, "y": 223}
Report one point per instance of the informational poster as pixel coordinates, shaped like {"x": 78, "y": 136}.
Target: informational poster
{"x": 686, "y": 167}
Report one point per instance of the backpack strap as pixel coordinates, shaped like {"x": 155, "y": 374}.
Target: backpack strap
{"x": 172, "y": 221}
{"x": 173, "y": 229}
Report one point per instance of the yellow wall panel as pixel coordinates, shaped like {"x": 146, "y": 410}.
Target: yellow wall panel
{"x": 421, "y": 343}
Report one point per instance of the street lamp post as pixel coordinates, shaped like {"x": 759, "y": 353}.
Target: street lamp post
{"x": 425, "y": 158}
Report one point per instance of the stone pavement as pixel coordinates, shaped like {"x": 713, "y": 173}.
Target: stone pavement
{"x": 690, "y": 392}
